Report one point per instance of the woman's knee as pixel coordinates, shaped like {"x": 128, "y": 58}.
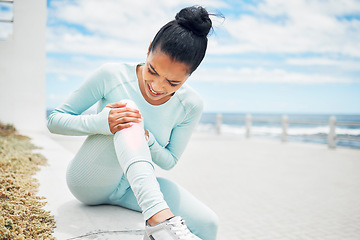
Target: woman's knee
{"x": 130, "y": 104}
{"x": 211, "y": 221}
{"x": 90, "y": 195}
{"x": 206, "y": 227}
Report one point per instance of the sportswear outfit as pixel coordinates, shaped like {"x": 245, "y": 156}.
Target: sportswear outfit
{"x": 118, "y": 168}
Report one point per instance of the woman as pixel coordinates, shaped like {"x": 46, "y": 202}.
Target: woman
{"x": 146, "y": 114}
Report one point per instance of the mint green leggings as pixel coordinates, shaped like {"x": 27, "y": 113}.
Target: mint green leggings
{"x": 118, "y": 170}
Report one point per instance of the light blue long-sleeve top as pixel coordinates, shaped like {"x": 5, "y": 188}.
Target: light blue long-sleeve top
{"x": 170, "y": 124}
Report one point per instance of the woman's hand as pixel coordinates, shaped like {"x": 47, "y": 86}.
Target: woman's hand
{"x": 121, "y": 117}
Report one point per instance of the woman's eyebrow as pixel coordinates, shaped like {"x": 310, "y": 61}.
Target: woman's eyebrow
{"x": 153, "y": 69}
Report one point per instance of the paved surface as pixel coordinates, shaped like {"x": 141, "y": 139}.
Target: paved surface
{"x": 261, "y": 189}
{"x": 74, "y": 220}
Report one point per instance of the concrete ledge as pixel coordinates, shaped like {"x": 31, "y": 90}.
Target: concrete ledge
{"x": 75, "y": 220}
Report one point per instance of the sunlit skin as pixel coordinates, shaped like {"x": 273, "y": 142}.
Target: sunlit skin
{"x": 159, "y": 78}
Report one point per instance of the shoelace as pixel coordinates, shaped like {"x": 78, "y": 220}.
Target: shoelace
{"x": 181, "y": 229}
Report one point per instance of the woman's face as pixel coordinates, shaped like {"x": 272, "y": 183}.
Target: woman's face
{"x": 161, "y": 77}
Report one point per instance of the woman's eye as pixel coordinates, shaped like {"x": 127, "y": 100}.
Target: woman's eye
{"x": 171, "y": 84}
{"x": 151, "y": 72}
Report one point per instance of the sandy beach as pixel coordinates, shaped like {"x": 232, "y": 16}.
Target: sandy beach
{"x": 260, "y": 189}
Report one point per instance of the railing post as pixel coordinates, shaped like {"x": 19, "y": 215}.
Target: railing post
{"x": 248, "y": 125}
{"x": 218, "y": 123}
{"x": 332, "y": 133}
{"x": 285, "y": 124}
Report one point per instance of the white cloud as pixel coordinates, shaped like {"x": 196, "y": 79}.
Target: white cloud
{"x": 63, "y": 78}
{"x": 56, "y": 97}
{"x": 281, "y": 26}
{"x": 73, "y": 67}
{"x": 260, "y": 75}
{"x": 62, "y": 40}
{"x": 117, "y": 28}
{"x": 343, "y": 64}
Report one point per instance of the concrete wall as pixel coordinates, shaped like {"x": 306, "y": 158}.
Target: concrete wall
{"x": 22, "y": 68}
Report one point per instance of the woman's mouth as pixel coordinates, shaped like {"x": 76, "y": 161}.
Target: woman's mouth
{"x": 152, "y": 92}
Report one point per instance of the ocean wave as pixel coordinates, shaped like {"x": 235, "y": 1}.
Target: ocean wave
{"x": 268, "y": 130}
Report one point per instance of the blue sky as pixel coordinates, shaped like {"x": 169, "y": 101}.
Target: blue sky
{"x": 267, "y": 56}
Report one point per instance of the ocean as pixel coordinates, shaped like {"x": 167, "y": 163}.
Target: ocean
{"x": 234, "y": 124}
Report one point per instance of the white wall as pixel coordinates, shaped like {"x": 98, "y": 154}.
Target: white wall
{"x": 22, "y": 68}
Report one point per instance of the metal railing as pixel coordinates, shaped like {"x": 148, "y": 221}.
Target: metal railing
{"x": 331, "y": 136}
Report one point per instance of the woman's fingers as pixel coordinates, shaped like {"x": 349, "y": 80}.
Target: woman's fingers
{"x": 127, "y": 120}
{"x": 128, "y": 114}
{"x": 120, "y": 107}
{"x": 116, "y": 105}
{"x": 126, "y": 110}
{"x": 123, "y": 117}
{"x": 120, "y": 127}
{"x": 118, "y": 114}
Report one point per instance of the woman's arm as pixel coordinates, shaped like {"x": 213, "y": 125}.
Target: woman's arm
{"x": 67, "y": 119}
{"x": 167, "y": 157}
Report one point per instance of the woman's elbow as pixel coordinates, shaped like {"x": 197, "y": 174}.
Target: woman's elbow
{"x": 50, "y": 126}
{"x": 170, "y": 165}
{"x": 50, "y": 123}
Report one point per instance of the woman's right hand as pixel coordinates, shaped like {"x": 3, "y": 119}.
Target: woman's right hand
{"x": 121, "y": 117}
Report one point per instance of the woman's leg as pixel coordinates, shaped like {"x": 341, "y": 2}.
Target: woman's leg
{"x": 134, "y": 158}
{"x": 200, "y": 219}
{"x": 95, "y": 173}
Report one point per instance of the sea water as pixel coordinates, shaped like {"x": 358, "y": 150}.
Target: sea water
{"x": 234, "y": 124}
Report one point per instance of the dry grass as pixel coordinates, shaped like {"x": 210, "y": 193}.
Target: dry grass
{"x": 21, "y": 213}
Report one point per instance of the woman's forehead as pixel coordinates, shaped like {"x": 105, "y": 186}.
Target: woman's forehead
{"x": 162, "y": 63}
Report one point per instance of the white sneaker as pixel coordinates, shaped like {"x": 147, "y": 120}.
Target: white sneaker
{"x": 173, "y": 229}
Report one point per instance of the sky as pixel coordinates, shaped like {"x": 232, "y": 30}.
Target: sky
{"x": 269, "y": 56}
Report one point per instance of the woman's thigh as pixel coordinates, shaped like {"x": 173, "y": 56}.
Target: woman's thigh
{"x": 94, "y": 173}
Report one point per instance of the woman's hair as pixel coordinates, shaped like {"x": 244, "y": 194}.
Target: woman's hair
{"x": 185, "y": 38}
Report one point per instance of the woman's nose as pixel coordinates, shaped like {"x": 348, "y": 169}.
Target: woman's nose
{"x": 158, "y": 85}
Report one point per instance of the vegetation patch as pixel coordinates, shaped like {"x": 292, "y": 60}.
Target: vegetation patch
{"x": 21, "y": 213}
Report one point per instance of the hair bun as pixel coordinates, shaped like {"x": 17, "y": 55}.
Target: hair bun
{"x": 195, "y": 19}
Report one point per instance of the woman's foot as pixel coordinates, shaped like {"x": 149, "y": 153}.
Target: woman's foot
{"x": 171, "y": 229}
